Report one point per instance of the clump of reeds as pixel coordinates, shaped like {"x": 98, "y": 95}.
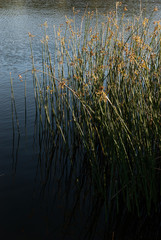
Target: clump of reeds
{"x": 100, "y": 90}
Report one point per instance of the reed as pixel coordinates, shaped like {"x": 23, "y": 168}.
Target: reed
{"x": 100, "y": 91}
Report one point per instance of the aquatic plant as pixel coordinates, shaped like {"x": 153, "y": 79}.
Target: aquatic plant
{"x": 100, "y": 94}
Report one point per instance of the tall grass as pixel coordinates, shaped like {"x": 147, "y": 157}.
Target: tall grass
{"x": 100, "y": 91}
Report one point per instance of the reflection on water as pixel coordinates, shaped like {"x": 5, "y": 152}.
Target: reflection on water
{"x": 45, "y": 190}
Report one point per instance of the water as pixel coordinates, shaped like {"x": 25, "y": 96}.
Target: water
{"x": 28, "y": 210}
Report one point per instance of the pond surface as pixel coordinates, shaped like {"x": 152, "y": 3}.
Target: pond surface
{"x": 30, "y": 208}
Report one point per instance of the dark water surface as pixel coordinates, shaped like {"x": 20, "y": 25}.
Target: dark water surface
{"x": 35, "y": 203}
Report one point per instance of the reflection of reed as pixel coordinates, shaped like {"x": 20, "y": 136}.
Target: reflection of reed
{"x": 15, "y": 140}
{"x": 63, "y": 174}
{"x": 15, "y": 151}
